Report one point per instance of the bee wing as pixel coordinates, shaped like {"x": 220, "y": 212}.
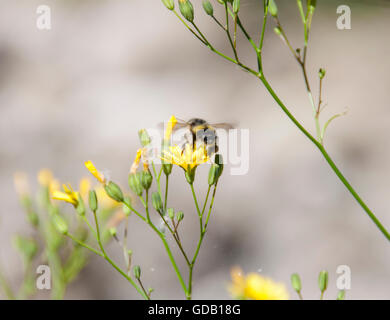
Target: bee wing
{"x": 179, "y": 125}
{"x": 225, "y": 126}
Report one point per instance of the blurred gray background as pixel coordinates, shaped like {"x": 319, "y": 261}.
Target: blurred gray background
{"x": 108, "y": 68}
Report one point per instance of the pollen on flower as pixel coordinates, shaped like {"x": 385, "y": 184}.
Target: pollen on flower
{"x": 97, "y": 174}
{"x": 188, "y": 159}
{"x": 256, "y": 287}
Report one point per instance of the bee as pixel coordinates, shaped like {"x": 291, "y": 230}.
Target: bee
{"x": 199, "y": 131}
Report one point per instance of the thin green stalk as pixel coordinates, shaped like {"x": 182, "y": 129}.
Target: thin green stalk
{"x": 195, "y": 199}
{"x": 207, "y": 198}
{"x": 83, "y": 244}
{"x": 201, "y": 237}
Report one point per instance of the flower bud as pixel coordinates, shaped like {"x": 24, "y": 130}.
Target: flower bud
{"x": 171, "y": 213}
{"x": 113, "y": 231}
{"x": 60, "y": 224}
{"x": 219, "y": 161}
{"x": 169, "y": 4}
{"x": 114, "y": 192}
{"x": 213, "y": 174}
{"x": 312, "y": 5}
{"x": 167, "y": 168}
{"x": 135, "y": 183}
{"x": 273, "y": 9}
{"x": 80, "y": 205}
{"x": 236, "y": 6}
{"x": 296, "y": 282}
{"x": 33, "y": 218}
{"x": 137, "y": 272}
{"x": 208, "y": 7}
{"x": 323, "y": 280}
{"x": 27, "y": 247}
{"x": 143, "y": 134}
{"x": 157, "y": 202}
{"x": 322, "y": 73}
{"x": 187, "y": 10}
{"x": 93, "y": 202}
{"x": 179, "y": 216}
{"x": 341, "y": 295}
{"x": 278, "y": 31}
{"x": 146, "y": 179}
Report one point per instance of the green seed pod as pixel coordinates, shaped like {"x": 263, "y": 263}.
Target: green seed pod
{"x": 146, "y": 179}
{"x": 169, "y": 4}
{"x": 236, "y": 6}
{"x": 60, "y": 224}
{"x": 273, "y": 9}
{"x": 137, "y": 272}
{"x": 322, "y": 73}
{"x": 157, "y": 202}
{"x": 114, "y": 192}
{"x": 208, "y": 7}
{"x": 341, "y": 295}
{"x": 171, "y": 213}
{"x": 296, "y": 282}
{"x": 93, "y": 202}
{"x": 187, "y": 10}
{"x": 323, "y": 280}
{"x": 312, "y": 4}
{"x": 179, "y": 216}
{"x": 135, "y": 183}
{"x": 80, "y": 205}
{"x": 143, "y": 135}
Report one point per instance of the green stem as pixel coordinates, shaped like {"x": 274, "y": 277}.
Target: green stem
{"x": 201, "y": 237}
{"x": 166, "y": 193}
{"x": 113, "y": 264}
{"x": 166, "y": 246}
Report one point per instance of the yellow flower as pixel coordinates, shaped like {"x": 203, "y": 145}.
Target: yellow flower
{"x": 136, "y": 162}
{"x": 45, "y": 176}
{"x": 97, "y": 174}
{"x": 85, "y": 186}
{"x": 170, "y": 125}
{"x": 256, "y": 287}
{"x": 21, "y": 183}
{"x": 188, "y": 158}
{"x": 68, "y": 195}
